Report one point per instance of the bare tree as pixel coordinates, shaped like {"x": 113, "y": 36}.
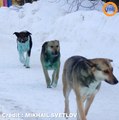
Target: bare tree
{"x": 76, "y": 4}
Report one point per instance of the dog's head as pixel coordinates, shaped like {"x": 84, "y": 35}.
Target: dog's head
{"x": 103, "y": 70}
{"x": 52, "y": 47}
{"x": 22, "y": 36}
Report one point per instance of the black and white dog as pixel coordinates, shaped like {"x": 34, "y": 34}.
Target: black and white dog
{"x": 24, "y": 45}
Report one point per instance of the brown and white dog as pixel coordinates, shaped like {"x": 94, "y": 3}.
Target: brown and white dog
{"x": 84, "y": 76}
{"x": 50, "y": 59}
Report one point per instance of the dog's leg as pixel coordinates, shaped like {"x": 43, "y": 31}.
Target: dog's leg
{"x": 53, "y": 84}
{"x": 78, "y": 116}
{"x": 27, "y": 61}
{"x": 21, "y": 57}
{"x": 55, "y": 77}
{"x": 80, "y": 106}
{"x": 90, "y": 99}
{"x": 66, "y": 92}
{"x": 88, "y": 103}
{"x": 47, "y": 78}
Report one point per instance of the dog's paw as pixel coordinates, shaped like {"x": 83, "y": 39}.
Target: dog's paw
{"x": 54, "y": 85}
{"x": 49, "y": 86}
{"x": 27, "y": 66}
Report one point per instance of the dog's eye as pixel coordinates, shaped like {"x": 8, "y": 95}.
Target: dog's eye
{"x": 106, "y": 71}
{"x": 57, "y": 46}
{"x": 51, "y": 46}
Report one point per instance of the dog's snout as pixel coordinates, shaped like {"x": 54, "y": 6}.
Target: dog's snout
{"x": 55, "y": 52}
{"x": 115, "y": 81}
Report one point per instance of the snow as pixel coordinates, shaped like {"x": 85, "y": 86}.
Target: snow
{"x": 87, "y": 33}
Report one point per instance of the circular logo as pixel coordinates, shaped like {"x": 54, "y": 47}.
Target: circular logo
{"x": 110, "y": 9}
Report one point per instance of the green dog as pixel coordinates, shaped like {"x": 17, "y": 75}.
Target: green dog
{"x": 50, "y": 59}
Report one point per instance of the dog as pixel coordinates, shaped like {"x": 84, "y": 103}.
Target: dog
{"x": 50, "y": 60}
{"x": 24, "y": 45}
{"x": 84, "y": 76}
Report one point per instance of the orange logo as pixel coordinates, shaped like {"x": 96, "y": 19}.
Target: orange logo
{"x": 110, "y": 9}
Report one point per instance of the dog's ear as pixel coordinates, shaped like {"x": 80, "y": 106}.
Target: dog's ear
{"x": 16, "y": 33}
{"x": 44, "y": 47}
{"x": 110, "y": 60}
{"x": 57, "y": 41}
{"x": 28, "y": 33}
{"x": 93, "y": 65}
{"x": 90, "y": 63}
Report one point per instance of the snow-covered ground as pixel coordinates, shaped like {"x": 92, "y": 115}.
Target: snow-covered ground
{"x": 87, "y": 33}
